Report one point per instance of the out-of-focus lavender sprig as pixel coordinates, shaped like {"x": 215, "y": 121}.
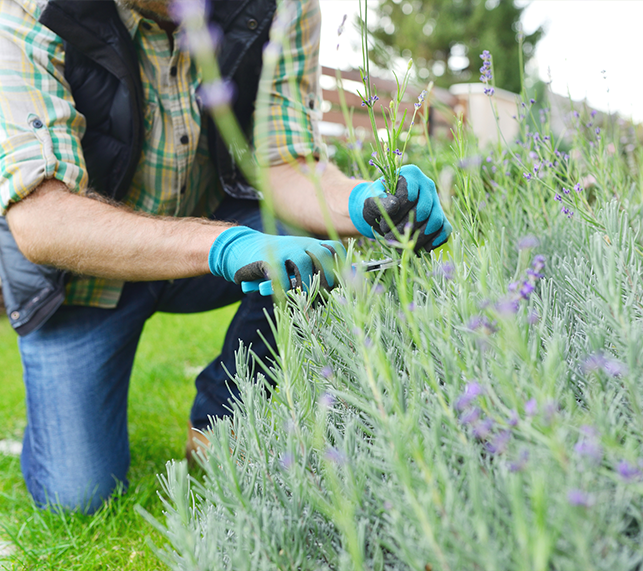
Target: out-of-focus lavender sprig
{"x": 598, "y": 361}
{"x": 589, "y": 445}
{"x": 486, "y": 73}
{"x": 188, "y": 11}
{"x": 580, "y": 498}
{"x": 471, "y": 392}
{"x": 216, "y": 94}
{"x": 628, "y": 472}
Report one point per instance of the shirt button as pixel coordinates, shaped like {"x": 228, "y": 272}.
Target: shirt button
{"x": 185, "y": 139}
{"x": 252, "y": 24}
{"x": 37, "y": 124}
{"x": 15, "y": 315}
{"x": 173, "y": 71}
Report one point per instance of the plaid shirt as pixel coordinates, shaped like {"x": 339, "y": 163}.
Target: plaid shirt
{"x": 41, "y": 131}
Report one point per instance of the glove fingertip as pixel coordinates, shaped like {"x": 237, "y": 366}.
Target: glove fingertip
{"x": 440, "y": 239}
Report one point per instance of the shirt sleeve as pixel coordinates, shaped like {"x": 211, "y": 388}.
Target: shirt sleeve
{"x": 40, "y": 129}
{"x": 288, "y": 127}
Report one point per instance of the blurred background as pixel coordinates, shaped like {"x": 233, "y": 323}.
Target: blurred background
{"x": 585, "y": 50}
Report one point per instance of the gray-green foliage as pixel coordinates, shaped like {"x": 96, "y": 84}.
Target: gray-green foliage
{"x": 376, "y": 451}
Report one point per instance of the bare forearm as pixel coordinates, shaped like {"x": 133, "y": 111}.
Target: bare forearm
{"x": 296, "y": 198}
{"x": 55, "y": 227}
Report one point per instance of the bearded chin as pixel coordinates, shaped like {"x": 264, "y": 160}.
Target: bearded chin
{"x": 146, "y": 8}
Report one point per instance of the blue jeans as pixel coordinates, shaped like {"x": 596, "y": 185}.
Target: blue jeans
{"x": 77, "y": 369}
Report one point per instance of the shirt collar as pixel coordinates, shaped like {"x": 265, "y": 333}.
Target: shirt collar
{"x": 131, "y": 18}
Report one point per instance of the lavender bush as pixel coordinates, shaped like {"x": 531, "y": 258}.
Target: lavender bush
{"x": 475, "y": 408}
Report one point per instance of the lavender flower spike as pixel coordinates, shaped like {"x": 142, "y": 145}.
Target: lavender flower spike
{"x": 216, "y": 94}
{"x": 188, "y": 10}
{"x": 579, "y": 498}
{"x": 531, "y": 407}
{"x": 471, "y": 392}
{"x": 529, "y": 241}
{"x": 628, "y": 472}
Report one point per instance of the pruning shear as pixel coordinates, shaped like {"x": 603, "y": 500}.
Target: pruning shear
{"x": 365, "y": 266}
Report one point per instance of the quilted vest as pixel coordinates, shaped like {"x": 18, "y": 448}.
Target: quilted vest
{"x": 103, "y": 73}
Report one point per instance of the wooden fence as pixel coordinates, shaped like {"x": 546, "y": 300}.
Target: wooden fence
{"x": 442, "y": 104}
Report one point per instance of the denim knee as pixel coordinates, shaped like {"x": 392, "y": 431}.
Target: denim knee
{"x": 68, "y": 488}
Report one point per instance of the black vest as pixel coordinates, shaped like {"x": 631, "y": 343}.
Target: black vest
{"x": 102, "y": 69}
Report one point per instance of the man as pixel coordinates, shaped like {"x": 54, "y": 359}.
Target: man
{"x": 120, "y": 199}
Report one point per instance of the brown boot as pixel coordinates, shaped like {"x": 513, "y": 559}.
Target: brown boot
{"x": 197, "y": 442}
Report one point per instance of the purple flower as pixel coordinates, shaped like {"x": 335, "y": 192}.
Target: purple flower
{"x": 599, "y": 362}
{"x": 520, "y": 464}
{"x": 340, "y": 30}
{"x": 531, "y": 407}
{"x": 499, "y": 442}
{"x": 507, "y": 306}
{"x": 287, "y": 460}
{"x": 470, "y": 416}
{"x": 628, "y": 472}
{"x": 614, "y": 368}
{"x": 527, "y": 175}
{"x": 485, "y": 71}
{"x": 538, "y": 263}
{"x": 378, "y": 289}
{"x": 326, "y": 372}
{"x": 589, "y": 445}
{"x": 526, "y": 289}
{"x": 482, "y": 429}
{"x": 202, "y": 39}
{"x": 532, "y": 101}
{"x": 398, "y": 152}
{"x": 371, "y": 162}
{"x": 482, "y": 322}
{"x": 558, "y": 197}
{"x": 593, "y": 113}
{"x": 412, "y": 306}
{"x": 446, "y": 270}
{"x": 513, "y": 418}
{"x": 529, "y": 241}
{"x": 326, "y": 400}
{"x": 335, "y": 456}
{"x": 598, "y": 130}
{"x": 533, "y": 318}
{"x": 533, "y": 275}
{"x": 368, "y": 342}
{"x": 578, "y": 187}
{"x": 216, "y": 94}
{"x": 471, "y": 392}
{"x": 188, "y": 10}
{"x": 566, "y": 190}
{"x": 579, "y": 498}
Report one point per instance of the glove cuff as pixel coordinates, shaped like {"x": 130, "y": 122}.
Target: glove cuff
{"x": 217, "y": 258}
{"x": 356, "y": 200}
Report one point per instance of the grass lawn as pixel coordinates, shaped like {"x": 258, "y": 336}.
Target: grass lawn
{"x": 172, "y": 350}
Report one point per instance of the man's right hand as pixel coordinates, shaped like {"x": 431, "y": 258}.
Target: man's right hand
{"x": 243, "y": 255}
{"x": 415, "y": 202}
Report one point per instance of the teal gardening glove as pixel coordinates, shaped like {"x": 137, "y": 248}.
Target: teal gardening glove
{"x": 253, "y": 259}
{"x": 415, "y": 196}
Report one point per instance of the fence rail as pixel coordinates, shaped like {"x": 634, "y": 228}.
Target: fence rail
{"x": 442, "y": 105}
